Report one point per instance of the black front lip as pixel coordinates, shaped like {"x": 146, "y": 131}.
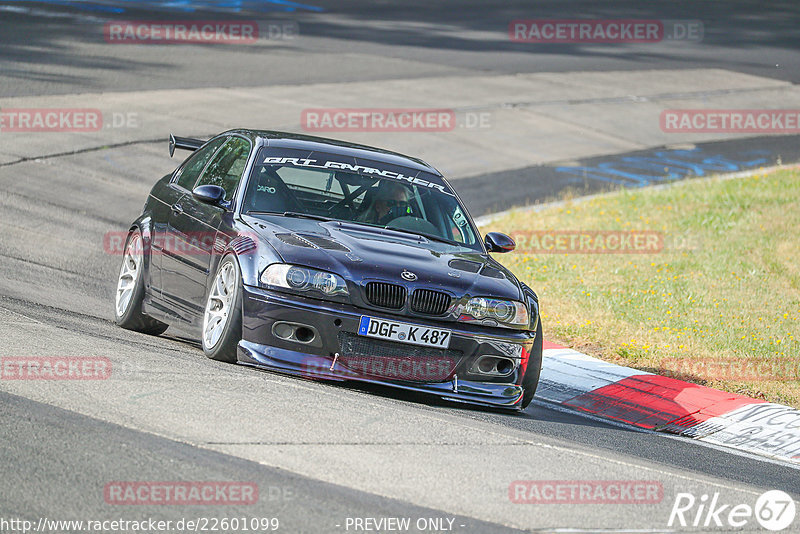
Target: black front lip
{"x": 261, "y": 348}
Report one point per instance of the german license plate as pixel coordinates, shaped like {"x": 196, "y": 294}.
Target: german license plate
{"x": 404, "y": 332}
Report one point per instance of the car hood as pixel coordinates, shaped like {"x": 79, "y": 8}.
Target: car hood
{"x": 362, "y": 253}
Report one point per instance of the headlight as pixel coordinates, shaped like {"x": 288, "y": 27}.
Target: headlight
{"x": 501, "y": 312}
{"x": 304, "y": 279}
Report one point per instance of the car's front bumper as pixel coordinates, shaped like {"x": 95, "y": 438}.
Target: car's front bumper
{"x": 332, "y": 353}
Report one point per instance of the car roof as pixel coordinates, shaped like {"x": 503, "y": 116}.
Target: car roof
{"x": 334, "y": 146}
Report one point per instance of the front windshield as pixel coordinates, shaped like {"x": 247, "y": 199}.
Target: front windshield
{"x": 359, "y": 191}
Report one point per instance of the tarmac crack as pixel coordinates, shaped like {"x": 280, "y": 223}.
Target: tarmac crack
{"x": 627, "y": 99}
{"x": 373, "y": 443}
{"x": 80, "y": 151}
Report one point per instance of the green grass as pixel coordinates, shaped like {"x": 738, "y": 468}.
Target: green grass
{"x": 719, "y": 305}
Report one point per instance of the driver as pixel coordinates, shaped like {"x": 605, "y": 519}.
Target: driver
{"x": 391, "y": 201}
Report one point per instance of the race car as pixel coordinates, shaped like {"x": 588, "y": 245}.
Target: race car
{"x": 331, "y": 261}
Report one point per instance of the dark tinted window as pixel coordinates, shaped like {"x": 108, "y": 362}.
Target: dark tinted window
{"x": 227, "y": 167}
{"x": 194, "y": 166}
{"x": 366, "y": 192}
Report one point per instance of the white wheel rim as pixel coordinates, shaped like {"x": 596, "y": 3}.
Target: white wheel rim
{"x": 219, "y": 305}
{"x": 128, "y": 274}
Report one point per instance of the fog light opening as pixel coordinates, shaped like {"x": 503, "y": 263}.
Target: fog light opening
{"x": 295, "y": 332}
{"x": 493, "y": 366}
{"x": 283, "y": 330}
{"x": 486, "y": 365}
{"x": 304, "y": 334}
{"x": 504, "y": 366}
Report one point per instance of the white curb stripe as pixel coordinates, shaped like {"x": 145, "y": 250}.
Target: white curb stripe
{"x": 567, "y": 373}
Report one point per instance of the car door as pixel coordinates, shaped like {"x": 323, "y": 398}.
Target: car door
{"x": 182, "y": 182}
{"x": 193, "y": 225}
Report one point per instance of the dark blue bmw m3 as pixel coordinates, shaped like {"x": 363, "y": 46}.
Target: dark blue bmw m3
{"x": 334, "y": 261}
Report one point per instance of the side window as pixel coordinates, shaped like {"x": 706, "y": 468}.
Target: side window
{"x": 191, "y": 171}
{"x": 227, "y": 167}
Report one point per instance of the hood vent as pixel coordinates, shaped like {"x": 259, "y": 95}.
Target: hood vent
{"x": 324, "y": 242}
{"x": 312, "y": 241}
{"x": 465, "y": 265}
{"x": 297, "y": 241}
{"x": 491, "y": 272}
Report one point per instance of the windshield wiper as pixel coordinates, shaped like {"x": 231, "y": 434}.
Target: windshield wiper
{"x": 291, "y": 214}
{"x": 426, "y": 236}
{"x": 306, "y": 216}
{"x": 391, "y": 229}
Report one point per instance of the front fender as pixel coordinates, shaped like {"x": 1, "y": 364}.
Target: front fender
{"x": 144, "y": 225}
{"x": 252, "y": 252}
{"x": 532, "y": 301}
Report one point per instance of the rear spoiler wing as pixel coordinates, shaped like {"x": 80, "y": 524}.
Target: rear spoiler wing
{"x": 184, "y": 143}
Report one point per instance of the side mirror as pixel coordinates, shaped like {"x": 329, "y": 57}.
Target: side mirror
{"x": 210, "y": 194}
{"x": 497, "y": 242}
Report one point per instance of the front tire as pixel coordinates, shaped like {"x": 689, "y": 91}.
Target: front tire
{"x": 222, "y": 320}
{"x": 534, "y": 369}
{"x": 130, "y": 290}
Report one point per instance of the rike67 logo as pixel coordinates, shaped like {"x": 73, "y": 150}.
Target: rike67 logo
{"x": 774, "y": 510}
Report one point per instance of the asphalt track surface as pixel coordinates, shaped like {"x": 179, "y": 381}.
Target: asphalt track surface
{"x": 59, "y": 48}
{"x": 494, "y": 192}
{"x": 319, "y": 453}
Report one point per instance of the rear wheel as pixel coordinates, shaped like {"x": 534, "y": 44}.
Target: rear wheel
{"x": 531, "y": 379}
{"x": 130, "y": 290}
{"x": 222, "y": 321}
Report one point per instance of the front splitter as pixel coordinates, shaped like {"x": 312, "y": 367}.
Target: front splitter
{"x": 507, "y": 396}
